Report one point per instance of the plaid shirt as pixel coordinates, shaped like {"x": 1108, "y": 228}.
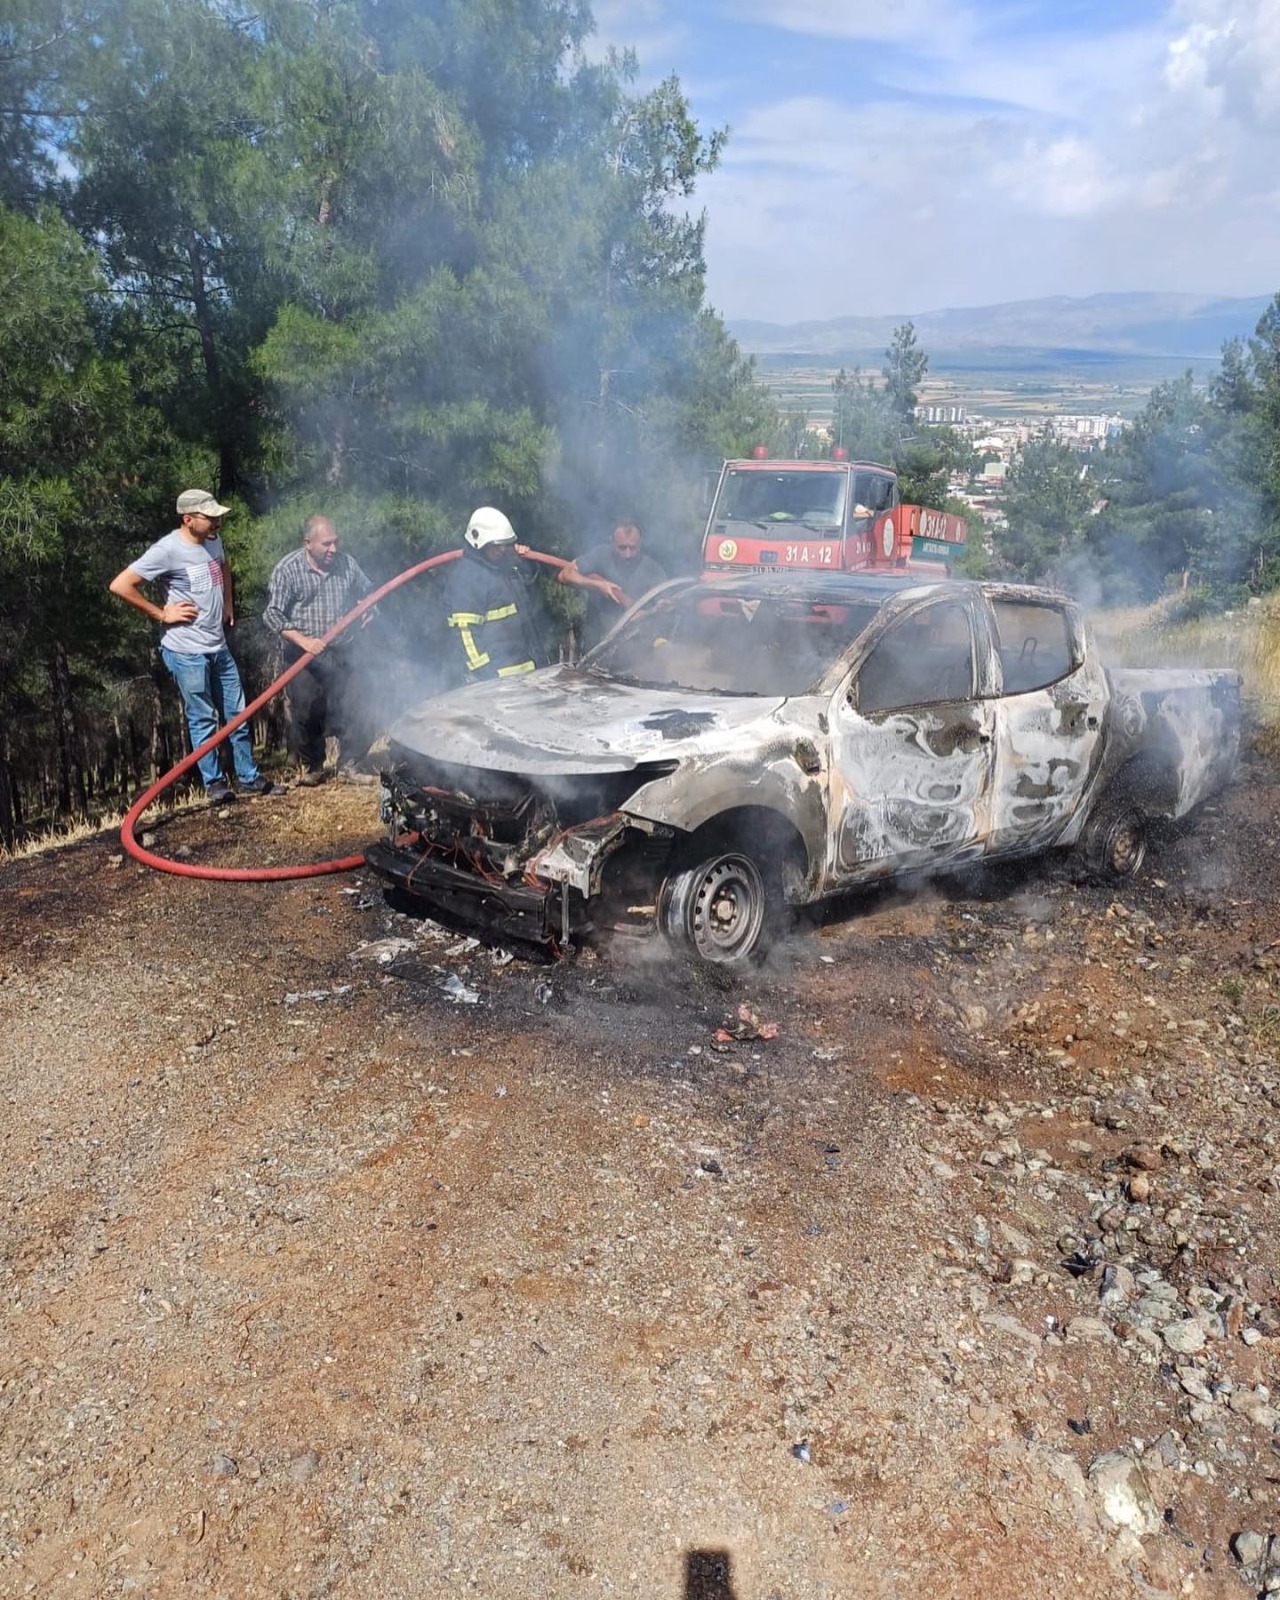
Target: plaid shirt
{"x": 311, "y": 602}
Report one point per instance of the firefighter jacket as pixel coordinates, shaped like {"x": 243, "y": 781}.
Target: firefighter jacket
{"x": 496, "y": 616}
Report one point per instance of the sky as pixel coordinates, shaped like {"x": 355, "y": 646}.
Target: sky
{"x": 902, "y": 156}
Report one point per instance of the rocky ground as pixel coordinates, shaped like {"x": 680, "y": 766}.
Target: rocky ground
{"x": 344, "y": 1257}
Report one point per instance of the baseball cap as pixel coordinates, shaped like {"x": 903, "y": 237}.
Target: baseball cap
{"x": 199, "y": 502}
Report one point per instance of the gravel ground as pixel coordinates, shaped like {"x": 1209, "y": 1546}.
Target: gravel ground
{"x": 321, "y": 1277}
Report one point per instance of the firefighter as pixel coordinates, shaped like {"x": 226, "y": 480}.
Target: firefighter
{"x": 492, "y": 604}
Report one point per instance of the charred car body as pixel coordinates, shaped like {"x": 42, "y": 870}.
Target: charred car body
{"x": 744, "y": 743}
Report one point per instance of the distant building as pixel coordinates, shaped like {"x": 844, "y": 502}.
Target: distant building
{"x": 953, "y": 414}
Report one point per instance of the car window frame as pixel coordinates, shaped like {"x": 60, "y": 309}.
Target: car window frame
{"x": 1070, "y": 613}
{"x": 980, "y": 643}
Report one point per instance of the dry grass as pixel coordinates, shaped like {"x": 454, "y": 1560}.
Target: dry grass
{"x": 73, "y": 832}
{"x": 1247, "y": 639}
{"x": 77, "y": 829}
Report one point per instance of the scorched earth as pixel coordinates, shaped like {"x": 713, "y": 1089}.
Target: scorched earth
{"x": 343, "y": 1257}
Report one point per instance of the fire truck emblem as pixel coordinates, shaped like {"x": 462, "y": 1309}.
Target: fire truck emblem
{"x": 886, "y": 536}
{"x": 728, "y": 549}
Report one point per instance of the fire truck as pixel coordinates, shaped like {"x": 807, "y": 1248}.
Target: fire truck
{"x": 835, "y": 514}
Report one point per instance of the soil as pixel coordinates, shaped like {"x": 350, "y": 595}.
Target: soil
{"x": 320, "y": 1279}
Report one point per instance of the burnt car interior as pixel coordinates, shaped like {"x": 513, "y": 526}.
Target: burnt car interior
{"x": 730, "y": 644}
{"x": 924, "y": 659}
{"x": 1035, "y": 645}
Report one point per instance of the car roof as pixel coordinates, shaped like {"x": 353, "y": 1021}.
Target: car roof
{"x": 836, "y": 588}
{"x": 826, "y": 464}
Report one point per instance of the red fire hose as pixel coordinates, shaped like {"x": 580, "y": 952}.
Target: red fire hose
{"x": 318, "y": 869}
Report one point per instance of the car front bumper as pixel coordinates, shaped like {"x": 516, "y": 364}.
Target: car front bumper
{"x": 523, "y": 911}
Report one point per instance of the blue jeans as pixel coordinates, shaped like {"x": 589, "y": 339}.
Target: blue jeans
{"x": 212, "y": 694}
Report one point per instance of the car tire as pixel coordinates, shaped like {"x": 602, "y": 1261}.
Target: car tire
{"x": 1116, "y": 839}
{"x": 723, "y": 909}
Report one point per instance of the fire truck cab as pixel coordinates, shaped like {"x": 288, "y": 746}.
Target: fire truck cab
{"x": 834, "y": 514}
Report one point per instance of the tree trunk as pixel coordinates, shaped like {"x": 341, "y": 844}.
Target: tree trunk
{"x": 227, "y": 473}
{"x": 158, "y": 752}
{"x": 10, "y": 803}
{"x": 336, "y": 471}
{"x": 72, "y": 798}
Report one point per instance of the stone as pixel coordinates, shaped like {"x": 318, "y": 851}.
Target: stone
{"x": 304, "y": 1466}
{"x": 1143, "y": 1158}
{"x": 1139, "y": 1188}
{"x": 223, "y": 1467}
{"x": 1125, "y": 1503}
{"x": 1250, "y": 1335}
{"x": 1185, "y": 1337}
{"x": 1017, "y": 1241}
{"x": 1118, "y": 1287}
{"x": 1088, "y": 1329}
{"x": 1011, "y": 1326}
{"x": 1254, "y": 1407}
{"x": 1248, "y": 1548}
{"x": 1195, "y": 1386}
{"x": 1157, "y": 1311}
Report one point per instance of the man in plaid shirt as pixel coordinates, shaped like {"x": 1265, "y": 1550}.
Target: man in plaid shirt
{"x": 309, "y": 591}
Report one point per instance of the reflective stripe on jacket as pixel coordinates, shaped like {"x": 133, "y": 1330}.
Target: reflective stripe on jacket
{"x": 497, "y": 615}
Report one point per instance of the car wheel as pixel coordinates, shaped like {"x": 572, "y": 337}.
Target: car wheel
{"x": 722, "y": 909}
{"x": 1116, "y": 838}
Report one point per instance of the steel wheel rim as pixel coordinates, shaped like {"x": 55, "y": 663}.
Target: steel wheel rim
{"x": 727, "y": 914}
{"x": 1126, "y": 846}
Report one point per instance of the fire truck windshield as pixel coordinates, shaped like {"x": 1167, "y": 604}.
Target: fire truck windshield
{"x": 770, "y": 498}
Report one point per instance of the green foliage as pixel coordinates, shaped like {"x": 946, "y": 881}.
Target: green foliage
{"x": 927, "y": 460}
{"x": 379, "y": 258}
{"x": 1188, "y": 495}
{"x": 864, "y": 422}
{"x": 904, "y": 370}
{"x": 975, "y": 560}
{"x": 1048, "y": 500}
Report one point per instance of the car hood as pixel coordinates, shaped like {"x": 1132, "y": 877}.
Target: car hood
{"x": 561, "y": 721}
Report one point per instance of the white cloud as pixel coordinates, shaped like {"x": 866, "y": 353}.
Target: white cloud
{"x": 1146, "y": 159}
{"x": 939, "y": 24}
{"x": 645, "y": 26}
{"x": 1229, "y": 57}
{"x": 1065, "y": 177}
{"x": 975, "y": 156}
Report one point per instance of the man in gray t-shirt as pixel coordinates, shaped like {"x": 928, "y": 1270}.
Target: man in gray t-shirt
{"x": 198, "y": 608}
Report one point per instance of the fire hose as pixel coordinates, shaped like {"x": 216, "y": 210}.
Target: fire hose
{"x": 317, "y": 869}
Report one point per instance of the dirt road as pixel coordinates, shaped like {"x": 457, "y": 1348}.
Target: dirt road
{"x": 320, "y": 1279}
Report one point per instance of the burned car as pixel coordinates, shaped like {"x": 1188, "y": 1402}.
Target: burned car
{"x": 741, "y": 744}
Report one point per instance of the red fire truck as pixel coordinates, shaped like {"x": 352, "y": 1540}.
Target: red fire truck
{"x": 835, "y": 514}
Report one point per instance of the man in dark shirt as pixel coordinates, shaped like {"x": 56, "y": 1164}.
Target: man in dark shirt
{"x": 614, "y": 575}
{"x": 310, "y": 590}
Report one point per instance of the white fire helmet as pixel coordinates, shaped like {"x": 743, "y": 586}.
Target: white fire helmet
{"x": 488, "y": 526}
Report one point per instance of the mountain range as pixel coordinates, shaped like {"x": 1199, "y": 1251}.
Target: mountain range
{"x": 1101, "y": 328}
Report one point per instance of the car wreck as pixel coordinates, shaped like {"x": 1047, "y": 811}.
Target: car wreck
{"x": 744, "y": 744}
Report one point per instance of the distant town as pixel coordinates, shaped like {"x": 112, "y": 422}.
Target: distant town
{"x": 997, "y": 440}
{"x": 1002, "y": 415}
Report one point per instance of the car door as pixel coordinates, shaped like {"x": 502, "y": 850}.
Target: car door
{"x": 912, "y": 755}
{"x": 1049, "y": 720}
